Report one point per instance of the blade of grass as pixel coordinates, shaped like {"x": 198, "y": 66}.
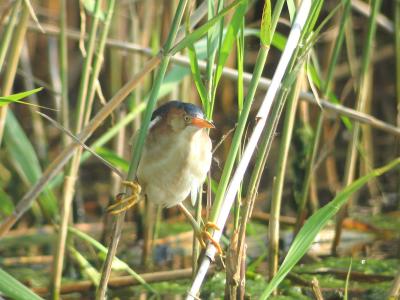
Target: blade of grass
{"x": 39, "y": 138}
{"x": 15, "y": 51}
{"x": 117, "y": 263}
{"x": 16, "y": 98}
{"x": 316, "y": 222}
{"x": 326, "y": 86}
{"x": 13, "y": 289}
{"x": 87, "y": 269}
{"x": 229, "y": 163}
{"x": 26, "y": 162}
{"x": 90, "y": 72}
{"x": 267, "y": 31}
{"x": 352, "y": 156}
{"x": 397, "y": 51}
{"x": 194, "y": 67}
{"x": 6, "y": 37}
{"x": 229, "y": 39}
{"x": 225, "y": 49}
{"x": 276, "y": 199}
{"x": 240, "y": 100}
{"x": 346, "y": 287}
{"x": 202, "y": 30}
{"x": 7, "y": 205}
{"x": 63, "y": 62}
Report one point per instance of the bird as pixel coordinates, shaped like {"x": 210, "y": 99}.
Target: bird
{"x": 176, "y": 158}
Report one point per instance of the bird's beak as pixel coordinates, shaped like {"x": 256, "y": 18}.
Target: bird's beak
{"x": 202, "y": 123}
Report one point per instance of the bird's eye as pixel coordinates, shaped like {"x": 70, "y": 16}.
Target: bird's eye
{"x": 187, "y": 118}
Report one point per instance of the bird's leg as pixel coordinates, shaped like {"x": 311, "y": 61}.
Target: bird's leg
{"x": 122, "y": 204}
{"x": 202, "y": 234}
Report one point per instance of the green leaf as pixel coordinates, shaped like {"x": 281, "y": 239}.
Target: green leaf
{"x": 240, "y": 68}
{"x": 90, "y": 6}
{"x": 315, "y": 78}
{"x": 26, "y": 163}
{"x": 316, "y": 222}
{"x": 86, "y": 268}
{"x": 292, "y": 9}
{"x": 12, "y": 288}
{"x": 194, "y": 67}
{"x": 346, "y": 287}
{"x": 314, "y": 87}
{"x": 117, "y": 263}
{"x": 202, "y": 30}
{"x": 278, "y": 40}
{"x": 7, "y": 205}
{"x": 16, "y": 98}
{"x": 229, "y": 39}
{"x": 113, "y": 158}
{"x": 265, "y": 34}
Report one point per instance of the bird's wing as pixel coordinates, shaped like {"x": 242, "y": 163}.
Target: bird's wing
{"x": 194, "y": 191}
{"x": 134, "y": 138}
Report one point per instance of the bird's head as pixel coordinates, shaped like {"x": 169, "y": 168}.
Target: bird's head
{"x": 180, "y": 116}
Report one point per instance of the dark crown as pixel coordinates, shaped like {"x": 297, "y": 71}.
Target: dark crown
{"x": 189, "y": 108}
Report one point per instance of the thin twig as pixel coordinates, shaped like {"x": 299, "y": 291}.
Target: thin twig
{"x": 86, "y": 147}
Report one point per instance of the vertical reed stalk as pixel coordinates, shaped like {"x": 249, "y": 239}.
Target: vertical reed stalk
{"x": 283, "y": 66}
{"x": 326, "y": 88}
{"x": 6, "y": 39}
{"x": 352, "y": 154}
{"x": 106, "y": 270}
{"x": 397, "y": 47}
{"x": 39, "y": 135}
{"x": 85, "y": 100}
{"x": 14, "y": 53}
{"x": 258, "y": 168}
{"x": 63, "y": 56}
{"x": 213, "y": 40}
{"x": 150, "y": 215}
{"x": 276, "y": 200}
{"x": 368, "y": 161}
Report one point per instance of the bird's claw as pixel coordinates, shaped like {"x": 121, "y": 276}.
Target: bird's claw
{"x": 122, "y": 202}
{"x": 204, "y": 235}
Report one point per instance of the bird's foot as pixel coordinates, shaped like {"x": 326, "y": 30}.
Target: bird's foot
{"x": 204, "y": 236}
{"x": 123, "y": 202}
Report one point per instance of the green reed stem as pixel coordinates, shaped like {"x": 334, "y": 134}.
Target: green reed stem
{"x": 259, "y": 165}
{"x": 237, "y": 137}
{"x": 85, "y": 100}
{"x": 326, "y": 86}
{"x": 14, "y": 53}
{"x": 352, "y": 155}
{"x": 106, "y": 270}
{"x": 63, "y": 52}
{"x": 6, "y": 39}
{"x": 276, "y": 200}
{"x": 397, "y": 41}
